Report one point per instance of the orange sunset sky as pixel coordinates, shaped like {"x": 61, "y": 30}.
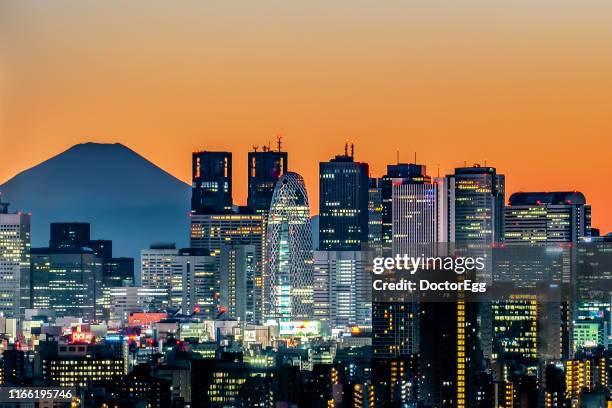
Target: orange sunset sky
{"x": 524, "y": 85}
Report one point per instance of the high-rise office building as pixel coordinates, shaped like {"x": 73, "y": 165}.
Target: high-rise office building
{"x": 343, "y": 204}
{"x": 215, "y": 231}
{"x": 116, "y": 272}
{"x": 193, "y": 282}
{"x": 14, "y": 261}
{"x": 474, "y": 211}
{"x": 265, "y": 168}
{"x": 211, "y": 182}
{"x": 156, "y": 268}
{"x": 237, "y": 273}
{"x": 537, "y": 217}
{"x": 188, "y": 277}
{"x": 397, "y": 174}
{"x": 375, "y": 210}
{"x": 69, "y": 235}
{"x": 410, "y": 226}
{"x": 288, "y": 284}
{"x": 341, "y": 288}
{"x": 542, "y": 222}
{"x": 415, "y": 214}
{"x": 67, "y": 281}
{"x": 476, "y": 202}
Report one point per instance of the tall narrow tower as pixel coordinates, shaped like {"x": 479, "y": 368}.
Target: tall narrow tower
{"x": 212, "y": 182}
{"x": 289, "y": 279}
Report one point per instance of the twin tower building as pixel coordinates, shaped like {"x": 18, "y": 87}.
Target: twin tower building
{"x": 271, "y": 262}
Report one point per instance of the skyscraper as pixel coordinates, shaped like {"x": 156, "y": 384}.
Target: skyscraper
{"x": 238, "y": 271}
{"x": 212, "y": 182}
{"x": 215, "y": 231}
{"x": 288, "y": 284}
{"x": 67, "y": 281}
{"x": 375, "y": 210}
{"x": 343, "y": 203}
{"x": 341, "y": 285}
{"x": 397, "y": 174}
{"x": 541, "y": 223}
{"x": 476, "y": 203}
{"x": 156, "y": 268}
{"x": 188, "y": 277}
{"x": 537, "y": 217}
{"x": 414, "y": 213}
{"x": 409, "y": 222}
{"x": 474, "y": 209}
{"x": 14, "y": 260}
{"x": 193, "y": 282}
{"x": 265, "y": 168}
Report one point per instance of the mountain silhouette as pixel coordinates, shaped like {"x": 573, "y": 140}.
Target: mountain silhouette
{"x": 125, "y": 197}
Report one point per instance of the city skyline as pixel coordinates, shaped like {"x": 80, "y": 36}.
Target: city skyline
{"x": 240, "y": 188}
{"x": 306, "y": 204}
{"x": 523, "y": 85}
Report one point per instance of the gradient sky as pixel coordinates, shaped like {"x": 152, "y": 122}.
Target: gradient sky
{"x": 524, "y": 85}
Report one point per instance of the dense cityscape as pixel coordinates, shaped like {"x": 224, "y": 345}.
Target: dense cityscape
{"x": 270, "y": 307}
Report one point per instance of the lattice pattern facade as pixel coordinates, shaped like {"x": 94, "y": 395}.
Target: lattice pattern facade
{"x": 289, "y": 270}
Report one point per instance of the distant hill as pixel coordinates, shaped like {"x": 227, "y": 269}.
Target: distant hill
{"x": 125, "y": 197}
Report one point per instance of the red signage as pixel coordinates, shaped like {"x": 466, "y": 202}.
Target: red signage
{"x": 81, "y": 337}
{"x": 145, "y": 319}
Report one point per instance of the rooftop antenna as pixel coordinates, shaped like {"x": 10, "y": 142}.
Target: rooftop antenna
{"x": 346, "y": 147}
{"x": 255, "y": 147}
{"x": 352, "y": 149}
{"x": 279, "y": 141}
{"x": 485, "y": 162}
{"x": 397, "y": 155}
{"x": 465, "y": 163}
{"x": 438, "y": 169}
{"x": 415, "y": 157}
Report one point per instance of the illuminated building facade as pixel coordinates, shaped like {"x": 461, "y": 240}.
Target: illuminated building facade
{"x": 188, "y": 276}
{"x": 156, "y": 268}
{"x": 193, "y": 283}
{"x": 476, "y": 202}
{"x": 341, "y": 288}
{"x": 515, "y": 328}
{"x": 547, "y": 217}
{"x": 238, "y": 270}
{"x": 343, "y": 204}
{"x": 375, "y": 210}
{"x": 407, "y": 206}
{"x": 211, "y": 182}
{"x": 215, "y": 231}
{"x": 397, "y": 174}
{"x": 79, "y": 365}
{"x": 225, "y": 383}
{"x": 265, "y": 168}
{"x": 133, "y": 299}
{"x": 474, "y": 212}
{"x": 67, "y": 281}
{"x": 414, "y": 214}
{"x": 289, "y": 273}
{"x": 14, "y": 261}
